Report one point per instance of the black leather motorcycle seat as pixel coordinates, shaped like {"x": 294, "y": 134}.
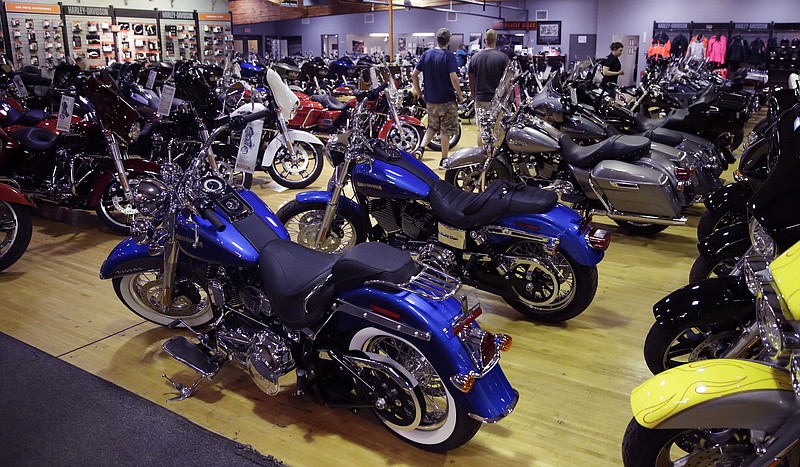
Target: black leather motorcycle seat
{"x": 619, "y": 148}
{"x": 290, "y": 272}
{"x": 664, "y": 136}
{"x": 31, "y": 117}
{"x": 466, "y": 210}
{"x": 703, "y": 99}
{"x": 37, "y": 139}
{"x": 674, "y": 120}
{"x": 329, "y": 101}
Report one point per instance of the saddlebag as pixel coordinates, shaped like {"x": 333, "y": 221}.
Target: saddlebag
{"x": 635, "y": 189}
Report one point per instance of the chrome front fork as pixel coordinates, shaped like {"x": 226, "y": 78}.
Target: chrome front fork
{"x": 116, "y": 154}
{"x": 340, "y": 177}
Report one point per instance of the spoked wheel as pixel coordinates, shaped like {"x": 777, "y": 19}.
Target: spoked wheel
{"x": 548, "y": 288}
{"x": 717, "y": 266}
{"x": 304, "y": 220}
{"x": 641, "y": 228}
{"x": 115, "y": 210}
{"x": 644, "y": 447}
{"x": 439, "y": 424}
{"x": 408, "y": 139}
{"x": 297, "y": 171}
{"x": 142, "y": 293}
{"x": 16, "y": 228}
{"x": 666, "y": 348}
{"x": 436, "y": 142}
{"x": 226, "y": 164}
{"x": 467, "y": 178}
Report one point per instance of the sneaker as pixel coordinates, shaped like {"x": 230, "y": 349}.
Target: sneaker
{"x": 418, "y": 153}
{"x": 442, "y": 164}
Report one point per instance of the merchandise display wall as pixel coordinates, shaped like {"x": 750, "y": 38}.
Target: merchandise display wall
{"x": 179, "y": 35}
{"x": 137, "y": 36}
{"x": 36, "y": 34}
{"x": 216, "y": 36}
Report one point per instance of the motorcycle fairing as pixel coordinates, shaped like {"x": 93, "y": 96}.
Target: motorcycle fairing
{"x": 560, "y": 222}
{"x": 716, "y": 393}
{"x": 389, "y": 124}
{"x": 492, "y": 396}
{"x": 732, "y": 196}
{"x": 784, "y": 273}
{"x": 732, "y": 238}
{"x": 713, "y": 300}
{"x": 278, "y": 141}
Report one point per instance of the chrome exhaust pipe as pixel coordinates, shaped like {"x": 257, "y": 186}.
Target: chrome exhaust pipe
{"x": 642, "y": 218}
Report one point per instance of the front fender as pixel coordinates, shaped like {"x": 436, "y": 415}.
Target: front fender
{"x": 347, "y": 207}
{"x": 129, "y": 258}
{"x": 733, "y": 238}
{"x": 280, "y": 140}
{"x": 732, "y": 196}
{"x": 12, "y": 195}
{"x": 133, "y": 166}
{"x": 716, "y": 393}
{"x": 562, "y": 223}
{"x": 492, "y": 396}
{"x": 466, "y": 157}
{"x": 714, "y": 300}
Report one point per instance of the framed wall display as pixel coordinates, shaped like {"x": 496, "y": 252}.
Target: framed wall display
{"x": 217, "y": 37}
{"x": 548, "y": 32}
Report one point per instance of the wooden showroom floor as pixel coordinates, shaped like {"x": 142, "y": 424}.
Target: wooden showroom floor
{"x": 574, "y": 379}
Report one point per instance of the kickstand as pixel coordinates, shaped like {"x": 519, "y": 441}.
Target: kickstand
{"x": 185, "y": 391}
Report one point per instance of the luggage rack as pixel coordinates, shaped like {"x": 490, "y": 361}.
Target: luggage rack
{"x": 429, "y": 283}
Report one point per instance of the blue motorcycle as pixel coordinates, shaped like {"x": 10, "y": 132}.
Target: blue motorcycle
{"x": 512, "y": 240}
{"x": 369, "y": 329}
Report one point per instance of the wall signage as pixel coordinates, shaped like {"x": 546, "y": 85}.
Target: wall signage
{"x": 32, "y": 8}
{"x": 77, "y": 10}
{"x": 505, "y": 25}
{"x": 185, "y": 15}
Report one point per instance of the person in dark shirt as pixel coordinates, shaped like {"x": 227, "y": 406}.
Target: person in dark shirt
{"x": 440, "y": 75}
{"x": 485, "y": 71}
{"x": 612, "y": 68}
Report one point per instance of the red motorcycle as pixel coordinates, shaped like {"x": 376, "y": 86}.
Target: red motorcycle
{"x": 325, "y": 116}
{"x": 15, "y": 223}
{"x": 85, "y": 168}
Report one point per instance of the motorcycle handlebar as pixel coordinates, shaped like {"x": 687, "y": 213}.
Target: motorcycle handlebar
{"x": 372, "y": 94}
{"x": 206, "y": 209}
{"x": 238, "y": 122}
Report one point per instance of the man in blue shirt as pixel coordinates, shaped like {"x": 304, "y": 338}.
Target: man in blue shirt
{"x": 461, "y": 55}
{"x": 440, "y": 75}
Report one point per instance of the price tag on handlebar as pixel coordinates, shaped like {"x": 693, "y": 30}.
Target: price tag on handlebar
{"x": 151, "y": 79}
{"x": 248, "y": 146}
{"x": 167, "y": 96}
{"x": 65, "y": 113}
{"x": 22, "y": 91}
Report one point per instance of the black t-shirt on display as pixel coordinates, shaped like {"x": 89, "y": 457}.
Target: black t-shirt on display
{"x": 613, "y": 64}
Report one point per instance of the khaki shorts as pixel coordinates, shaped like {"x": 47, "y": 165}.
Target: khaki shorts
{"x": 443, "y": 118}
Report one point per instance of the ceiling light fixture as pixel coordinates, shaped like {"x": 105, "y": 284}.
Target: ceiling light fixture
{"x": 379, "y": 34}
{"x": 422, "y": 34}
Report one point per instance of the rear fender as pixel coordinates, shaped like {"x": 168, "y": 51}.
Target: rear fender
{"x": 491, "y": 398}
{"x": 561, "y": 223}
{"x": 733, "y": 238}
{"x": 714, "y": 300}
{"x": 714, "y": 394}
{"x": 732, "y": 196}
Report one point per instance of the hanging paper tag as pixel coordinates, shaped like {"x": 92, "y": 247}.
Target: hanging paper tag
{"x": 65, "y": 113}
{"x": 22, "y": 91}
{"x": 248, "y": 147}
{"x": 167, "y": 96}
{"x": 151, "y": 79}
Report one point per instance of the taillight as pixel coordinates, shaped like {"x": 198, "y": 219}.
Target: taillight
{"x": 598, "y": 238}
{"x": 488, "y": 348}
{"x": 683, "y": 173}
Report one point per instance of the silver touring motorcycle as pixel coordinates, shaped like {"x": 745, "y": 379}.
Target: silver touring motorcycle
{"x": 644, "y": 191}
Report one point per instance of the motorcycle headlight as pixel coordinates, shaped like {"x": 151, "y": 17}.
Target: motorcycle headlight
{"x": 133, "y": 133}
{"x": 150, "y": 197}
{"x": 761, "y": 240}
